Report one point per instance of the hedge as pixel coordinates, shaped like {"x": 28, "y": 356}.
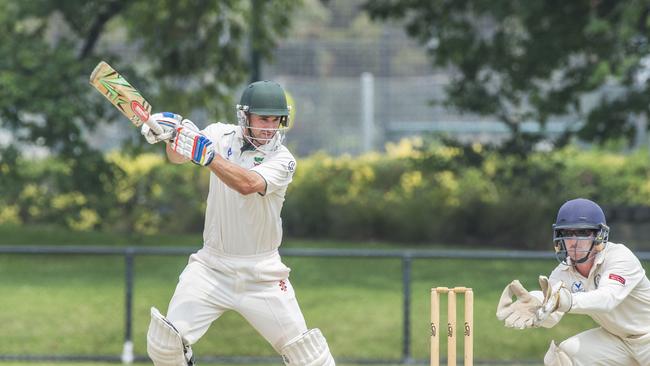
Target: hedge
{"x": 415, "y": 192}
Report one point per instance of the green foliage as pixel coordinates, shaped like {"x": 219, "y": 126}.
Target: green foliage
{"x": 184, "y": 55}
{"x": 524, "y": 60}
{"x": 437, "y": 192}
{"x": 190, "y": 52}
{"x": 415, "y": 192}
{"x": 142, "y": 194}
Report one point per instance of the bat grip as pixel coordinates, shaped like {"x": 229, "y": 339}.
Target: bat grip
{"x": 154, "y": 126}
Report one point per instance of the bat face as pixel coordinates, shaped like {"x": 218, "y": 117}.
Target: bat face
{"x": 122, "y": 95}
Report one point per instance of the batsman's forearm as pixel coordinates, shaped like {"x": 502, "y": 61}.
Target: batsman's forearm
{"x": 241, "y": 180}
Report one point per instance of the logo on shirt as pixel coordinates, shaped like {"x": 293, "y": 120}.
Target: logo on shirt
{"x": 597, "y": 280}
{"x": 283, "y": 286}
{"x": 291, "y": 166}
{"x": 258, "y": 160}
{"x": 617, "y": 278}
{"x": 229, "y": 153}
{"x": 577, "y": 286}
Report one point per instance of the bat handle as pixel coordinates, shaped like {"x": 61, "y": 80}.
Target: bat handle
{"x": 154, "y": 125}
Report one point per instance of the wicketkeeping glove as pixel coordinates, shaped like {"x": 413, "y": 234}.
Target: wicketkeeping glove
{"x": 167, "y": 121}
{"x": 521, "y": 313}
{"x": 192, "y": 144}
{"x": 556, "y": 298}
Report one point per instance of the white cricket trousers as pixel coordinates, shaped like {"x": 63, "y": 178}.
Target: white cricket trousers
{"x": 257, "y": 287}
{"x": 598, "y": 347}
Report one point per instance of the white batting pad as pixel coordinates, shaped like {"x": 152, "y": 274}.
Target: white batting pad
{"x": 309, "y": 349}
{"x": 556, "y": 357}
{"x": 165, "y": 345}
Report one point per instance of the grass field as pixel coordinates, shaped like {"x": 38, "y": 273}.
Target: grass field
{"x": 74, "y": 305}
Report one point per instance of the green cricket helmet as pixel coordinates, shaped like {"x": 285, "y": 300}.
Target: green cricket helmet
{"x": 265, "y": 98}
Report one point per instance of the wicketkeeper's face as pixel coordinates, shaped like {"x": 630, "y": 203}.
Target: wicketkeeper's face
{"x": 263, "y": 128}
{"x": 578, "y": 242}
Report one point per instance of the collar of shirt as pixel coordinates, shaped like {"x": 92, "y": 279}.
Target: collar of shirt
{"x": 600, "y": 256}
{"x": 247, "y": 146}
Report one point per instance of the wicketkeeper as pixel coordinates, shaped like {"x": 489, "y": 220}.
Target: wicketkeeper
{"x": 595, "y": 277}
{"x": 239, "y": 267}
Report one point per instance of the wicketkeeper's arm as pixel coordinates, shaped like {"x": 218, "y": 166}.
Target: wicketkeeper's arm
{"x": 241, "y": 180}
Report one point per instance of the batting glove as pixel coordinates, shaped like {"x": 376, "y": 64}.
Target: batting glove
{"x": 167, "y": 121}
{"x": 192, "y": 144}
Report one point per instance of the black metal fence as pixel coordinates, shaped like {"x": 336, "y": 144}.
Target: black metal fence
{"x": 129, "y": 254}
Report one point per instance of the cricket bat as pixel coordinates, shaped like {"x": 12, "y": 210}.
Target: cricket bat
{"x": 123, "y": 96}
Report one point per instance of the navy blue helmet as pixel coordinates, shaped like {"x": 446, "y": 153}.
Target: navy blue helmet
{"x": 579, "y": 218}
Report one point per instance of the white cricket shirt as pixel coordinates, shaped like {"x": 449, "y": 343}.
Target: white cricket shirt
{"x": 244, "y": 225}
{"x": 616, "y": 294}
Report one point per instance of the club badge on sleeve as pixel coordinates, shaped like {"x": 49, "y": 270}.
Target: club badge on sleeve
{"x": 617, "y": 278}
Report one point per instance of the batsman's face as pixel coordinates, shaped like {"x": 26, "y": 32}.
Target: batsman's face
{"x": 263, "y": 128}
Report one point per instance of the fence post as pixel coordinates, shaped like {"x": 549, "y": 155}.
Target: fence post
{"x": 127, "y": 350}
{"x": 406, "y": 286}
{"x": 367, "y": 112}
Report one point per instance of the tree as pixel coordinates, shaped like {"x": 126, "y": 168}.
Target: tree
{"x": 184, "y": 54}
{"x": 522, "y": 60}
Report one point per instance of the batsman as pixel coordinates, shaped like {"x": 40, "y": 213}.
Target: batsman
{"x": 595, "y": 277}
{"x": 238, "y": 268}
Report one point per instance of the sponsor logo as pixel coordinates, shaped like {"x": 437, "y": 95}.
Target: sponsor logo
{"x": 291, "y": 166}
{"x": 139, "y": 110}
{"x": 283, "y": 285}
{"x": 617, "y": 278}
{"x": 229, "y": 153}
{"x": 597, "y": 280}
{"x": 577, "y": 286}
